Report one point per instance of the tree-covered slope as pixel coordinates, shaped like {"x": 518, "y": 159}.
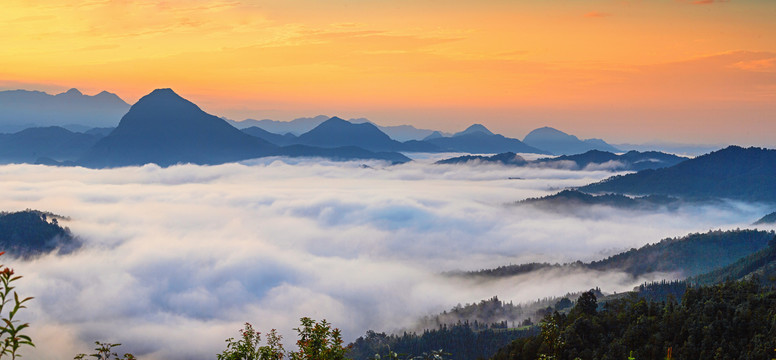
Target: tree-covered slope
{"x": 690, "y": 255}
{"x": 734, "y": 320}
{"x": 767, "y": 219}
{"x": 761, "y": 265}
{"x": 31, "y": 232}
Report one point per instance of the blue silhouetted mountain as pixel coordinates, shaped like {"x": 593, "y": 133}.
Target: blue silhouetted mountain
{"x": 166, "y": 129}
{"x": 99, "y": 131}
{"x": 560, "y": 143}
{"x": 342, "y": 153}
{"x": 277, "y": 139}
{"x": 478, "y": 139}
{"x": 767, "y": 219}
{"x": 732, "y": 173}
{"x": 31, "y": 232}
{"x": 508, "y": 158}
{"x": 53, "y": 142}
{"x": 433, "y": 135}
{"x": 475, "y": 128}
{"x": 602, "y": 160}
{"x": 337, "y": 132}
{"x": 300, "y": 126}
{"x": 405, "y": 133}
{"x": 296, "y": 127}
{"x": 23, "y": 109}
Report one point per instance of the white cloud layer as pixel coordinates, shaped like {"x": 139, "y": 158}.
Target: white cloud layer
{"x": 176, "y": 259}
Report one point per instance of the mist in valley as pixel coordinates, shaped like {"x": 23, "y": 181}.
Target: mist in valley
{"x": 176, "y": 259}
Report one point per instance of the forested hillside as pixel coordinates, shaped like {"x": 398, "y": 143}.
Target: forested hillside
{"x": 734, "y": 320}
{"x": 691, "y": 255}
{"x": 461, "y": 342}
{"x": 31, "y": 232}
{"x": 731, "y": 173}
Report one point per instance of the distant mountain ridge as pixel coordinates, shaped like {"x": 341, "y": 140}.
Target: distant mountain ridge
{"x": 477, "y": 139}
{"x": 300, "y": 126}
{"x": 166, "y": 129}
{"x": 591, "y": 160}
{"x": 53, "y": 142}
{"x": 507, "y": 158}
{"x": 559, "y": 143}
{"x": 732, "y": 173}
{"x": 23, "y": 109}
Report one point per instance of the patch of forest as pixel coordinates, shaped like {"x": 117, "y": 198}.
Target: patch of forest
{"x": 31, "y": 232}
{"x": 732, "y": 320}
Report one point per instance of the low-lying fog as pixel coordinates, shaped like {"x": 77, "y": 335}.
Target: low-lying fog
{"x": 175, "y": 260}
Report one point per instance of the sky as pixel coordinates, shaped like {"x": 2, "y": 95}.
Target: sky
{"x": 175, "y": 260}
{"x": 698, "y": 71}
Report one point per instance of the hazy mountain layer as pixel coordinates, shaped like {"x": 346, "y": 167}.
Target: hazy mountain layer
{"x": 560, "y": 143}
{"x": 23, "y": 109}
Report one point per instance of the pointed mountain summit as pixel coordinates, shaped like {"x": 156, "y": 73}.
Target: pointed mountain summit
{"x": 433, "y": 135}
{"x": 72, "y": 93}
{"x": 476, "y": 128}
{"x": 165, "y": 129}
{"x": 560, "y": 143}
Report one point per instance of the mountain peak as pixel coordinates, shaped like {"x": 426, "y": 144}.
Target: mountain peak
{"x": 561, "y": 143}
{"x": 163, "y": 92}
{"x": 547, "y": 131}
{"x": 72, "y": 92}
{"x": 164, "y": 128}
{"x": 336, "y": 119}
{"x": 475, "y": 128}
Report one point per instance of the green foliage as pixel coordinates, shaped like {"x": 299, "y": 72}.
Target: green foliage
{"x": 11, "y": 337}
{"x": 318, "y": 341}
{"x": 104, "y": 351}
{"x": 429, "y": 355}
{"x": 249, "y": 346}
{"x": 552, "y": 342}
{"x": 734, "y": 320}
{"x": 460, "y": 342}
{"x": 587, "y": 303}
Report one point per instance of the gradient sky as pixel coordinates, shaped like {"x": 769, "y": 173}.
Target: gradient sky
{"x": 701, "y": 71}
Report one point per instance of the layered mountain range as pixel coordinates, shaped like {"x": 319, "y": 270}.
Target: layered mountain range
{"x": 166, "y": 129}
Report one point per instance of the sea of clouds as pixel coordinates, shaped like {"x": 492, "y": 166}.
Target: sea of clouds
{"x": 176, "y": 259}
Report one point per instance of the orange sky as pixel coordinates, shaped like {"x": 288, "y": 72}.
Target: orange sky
{"x": 678, "y": 70}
